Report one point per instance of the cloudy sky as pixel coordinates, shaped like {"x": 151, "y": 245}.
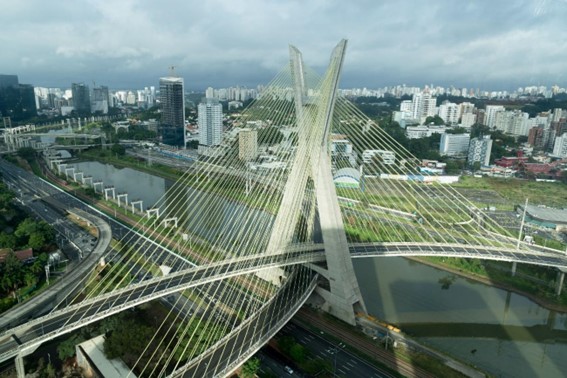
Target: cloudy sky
{"x": 488, "y": 44}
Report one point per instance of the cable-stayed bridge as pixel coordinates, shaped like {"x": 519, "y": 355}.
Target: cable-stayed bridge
{"x": 264, "y": 237}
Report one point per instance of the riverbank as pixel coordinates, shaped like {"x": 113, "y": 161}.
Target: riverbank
{"x": 487, "y": 281}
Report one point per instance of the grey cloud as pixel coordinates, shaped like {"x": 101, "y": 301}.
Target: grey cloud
{"x": 131, "y": 43}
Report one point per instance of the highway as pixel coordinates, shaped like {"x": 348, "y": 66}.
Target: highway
{"x": 344, "y": 363}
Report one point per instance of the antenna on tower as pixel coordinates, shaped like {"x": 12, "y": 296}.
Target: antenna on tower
{"x": 171, "y": 70}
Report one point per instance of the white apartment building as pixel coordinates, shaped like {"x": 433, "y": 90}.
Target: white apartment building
{"x": 210, "y": 122}
{"x": 468, "y": 119}
{"x": 560, "y": 146}
{"x": 449, "y": 112}
{"x": 490, "y": 114}
{"x": 406, "y": 106}
{"x": 454, "y": 144}
{"x": 423, "y": 106}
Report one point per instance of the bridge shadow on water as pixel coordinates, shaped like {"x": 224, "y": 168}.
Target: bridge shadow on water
{"x": 501, "y": 333}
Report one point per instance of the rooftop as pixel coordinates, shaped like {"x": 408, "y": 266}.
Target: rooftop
{"x": 548, "y": 214}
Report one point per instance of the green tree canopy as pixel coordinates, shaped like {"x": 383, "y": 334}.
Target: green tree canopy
{"x": 118, "y": 149}
{"x": 250, "y": 368}
{"x": 436, "y": 120}
{"x": 269, "y": 135}
{"x": 26, "y": 153}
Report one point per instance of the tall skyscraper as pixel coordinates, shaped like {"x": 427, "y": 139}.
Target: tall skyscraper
{"x": 100, "y": 101}
{"x": 81, "y": 98}
{"x": 17, "y": 101}
{"x": 8, "y": 81}
{"x": 172, "y": 102}
{"x": 210, "y": 122}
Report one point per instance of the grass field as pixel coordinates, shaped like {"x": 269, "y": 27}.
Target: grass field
{"x": 552, "y": 194}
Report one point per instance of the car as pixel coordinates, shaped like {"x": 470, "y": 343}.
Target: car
{"x": 288, "y": 370}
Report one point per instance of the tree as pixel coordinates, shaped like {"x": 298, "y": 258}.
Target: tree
{"x": 269, "y": 135}
{"x": 34, "y": 234}
{"x": 36, "y": 240}
{"x": 250, "y": 368}
{"x": 12, "y": 274}
{"x": 453, "y": 166}
{"x": 128, "y": 340}
{"x": 6, "y": 196}
{"x": 297, "y": 353}
{"x": 66, "y": 349}
{"x": 436, "y": 120}
{"x": 285, "y": 343}
{"x": 118, "y": 149}
{"x": 7, "y": 240}
{"x": 26, "y": 153}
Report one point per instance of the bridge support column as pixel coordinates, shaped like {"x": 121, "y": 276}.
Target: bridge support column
{"x": 166, "y": 221}
{"x": 152, "y": 212}
{"x": 110, "y": 189}
{"x": 20, "y": 370}
{"x": 514, "y": 266}
{"x": 343, "y": 298}
{"x": 122, "y": 195}
{"x": 75, "y": 175}
{"x": 134, "y": 203}
{"x": 559, "y": 283}
{"x": 67, "y": 171}
{"x": 60, "y": 167}
{"x": 95, "y": 183}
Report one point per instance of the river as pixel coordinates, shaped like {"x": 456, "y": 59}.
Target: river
{"x": 500, "y": 332}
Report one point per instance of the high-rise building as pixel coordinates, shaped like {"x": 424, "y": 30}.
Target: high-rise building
{"x": 172, "y": 102}
{"x": 210, "y": 122}
{"x": 423, "y": 105}
{"x": 8, "y": 81}
{"x": 100, "y": 100}
{"x": 81, "y": 98}
{"x": 560, "y": 147}
{"x": 449, "y": 112}
{"x": 479, "y": 150}
{"x": 454, "y": 144}
{"x": 210, "y": 92}
{"x": 468, "y": 119}
{"x": 490, "y": 114}
{"x": 17, "y": 101}
{"x": 247, "y": 144}
{"x": 535, "y": 137}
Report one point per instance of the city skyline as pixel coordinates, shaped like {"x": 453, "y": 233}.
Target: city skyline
{"x": 478, "y": 44}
